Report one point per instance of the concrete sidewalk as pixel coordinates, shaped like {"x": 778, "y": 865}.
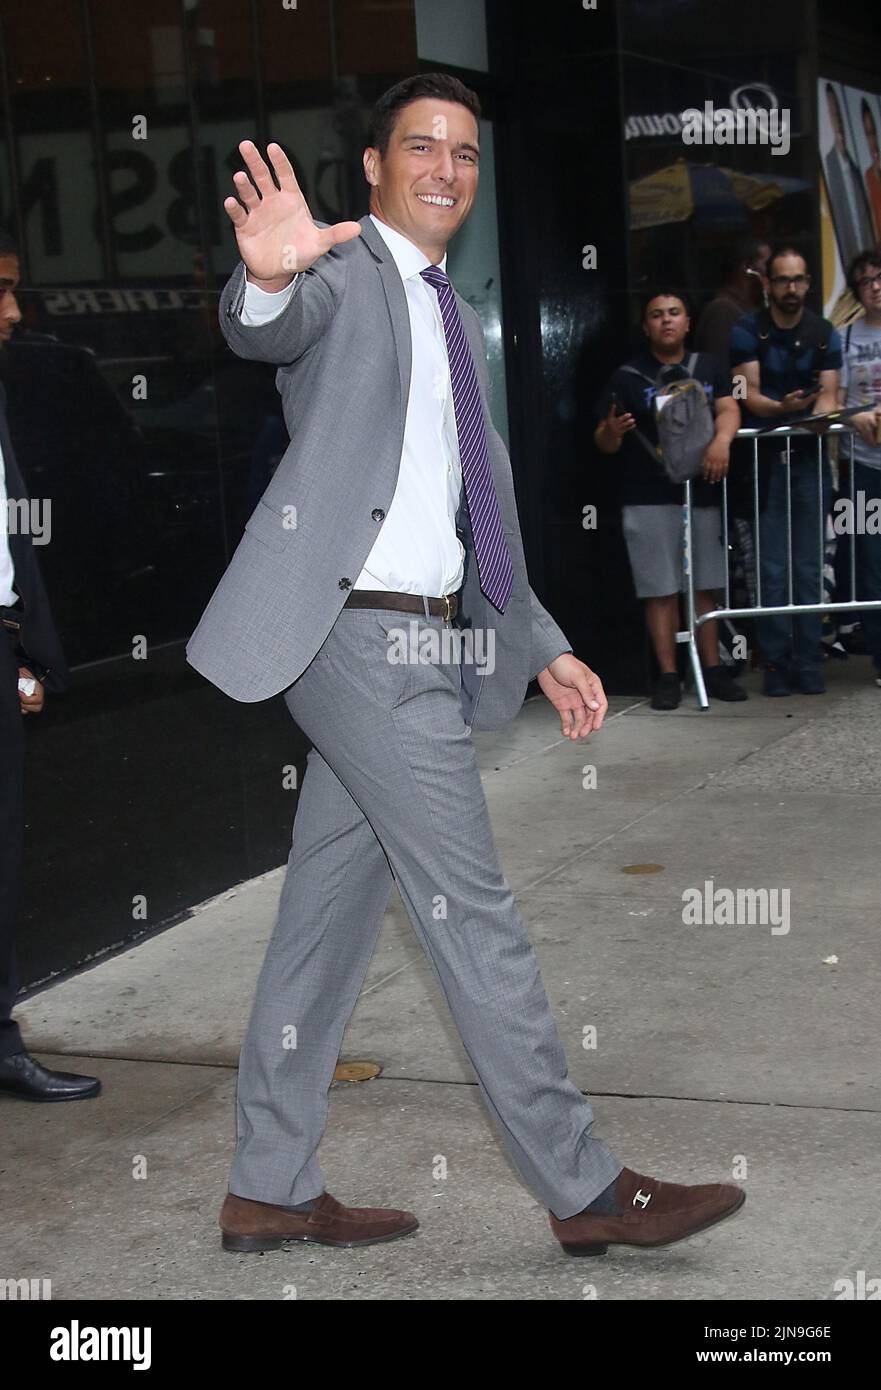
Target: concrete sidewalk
{"x": 720, "y": 1049}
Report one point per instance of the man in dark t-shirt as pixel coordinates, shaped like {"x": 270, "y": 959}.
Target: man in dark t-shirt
{"x": 652, "y": 505}
{"x": 743, "y": 290}
{"x": 788, "y": 360}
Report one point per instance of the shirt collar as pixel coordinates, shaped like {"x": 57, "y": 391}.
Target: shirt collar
{"x": 405, "y": 254}
{"x": 661, "y": 367}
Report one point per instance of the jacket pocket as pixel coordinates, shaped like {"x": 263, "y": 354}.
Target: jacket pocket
{"x": 269, "y": 527}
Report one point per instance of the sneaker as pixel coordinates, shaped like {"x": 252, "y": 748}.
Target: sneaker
{"x": 721, "y": 685}
{"x": 667, "y": 692}
{"x": 809, "y": 681}
{"x": 776, "y": 680}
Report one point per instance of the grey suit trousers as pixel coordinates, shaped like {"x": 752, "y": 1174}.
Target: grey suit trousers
{"x": 392, "y": 789}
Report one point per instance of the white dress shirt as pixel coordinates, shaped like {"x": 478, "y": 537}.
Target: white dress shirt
{"x": 8, "y": 596}
{"x": 417, "y": 550}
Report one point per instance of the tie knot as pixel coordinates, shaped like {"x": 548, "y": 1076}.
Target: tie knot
{"x": 434, "y": 276}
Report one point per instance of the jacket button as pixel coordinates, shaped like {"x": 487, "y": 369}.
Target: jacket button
{"x": 377, "y": 514}
{"x": 345, "y": 583}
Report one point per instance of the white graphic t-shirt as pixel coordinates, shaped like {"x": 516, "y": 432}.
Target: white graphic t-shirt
{"x": 861, "y": 374}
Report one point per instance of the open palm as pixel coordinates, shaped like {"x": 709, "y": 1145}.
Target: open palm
{"x": 274, "y": 229}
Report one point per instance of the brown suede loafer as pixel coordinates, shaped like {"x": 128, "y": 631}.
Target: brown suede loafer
{"x": 253, "y": 1226}
{"x": 652, "y": 1213}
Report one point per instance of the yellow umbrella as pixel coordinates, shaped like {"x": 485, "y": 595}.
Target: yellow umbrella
{"x": 661, "y": 197}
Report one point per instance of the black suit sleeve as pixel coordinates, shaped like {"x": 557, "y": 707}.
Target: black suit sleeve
{"x": 39, "y": 641}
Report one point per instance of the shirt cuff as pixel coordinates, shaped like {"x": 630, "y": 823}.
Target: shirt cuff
{"x": 260, "y": 306}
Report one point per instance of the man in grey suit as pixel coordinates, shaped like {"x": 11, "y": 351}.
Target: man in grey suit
{"x": 851, "y": 217}
{"x": 390, "y": 529}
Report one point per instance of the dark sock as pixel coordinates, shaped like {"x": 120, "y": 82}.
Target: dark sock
{"x": 606, "y": 1204}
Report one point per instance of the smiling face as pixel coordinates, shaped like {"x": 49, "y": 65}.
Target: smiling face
{"x": 427, "y": 182}
{"x": 665, "y": 323}
{"x": 10, "y": 314}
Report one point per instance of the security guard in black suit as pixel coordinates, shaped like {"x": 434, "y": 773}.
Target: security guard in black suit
{"x": 29, "y": 650}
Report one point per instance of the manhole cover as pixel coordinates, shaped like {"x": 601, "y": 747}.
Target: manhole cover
{"x": 356, "y": 1071}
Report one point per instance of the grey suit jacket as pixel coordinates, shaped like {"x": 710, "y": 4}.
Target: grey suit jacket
{"x": 852, "y": 237}
{"x": 343, "y": 351}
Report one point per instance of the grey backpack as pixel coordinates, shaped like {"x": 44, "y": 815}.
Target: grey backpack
{"x": 684, "y": 423}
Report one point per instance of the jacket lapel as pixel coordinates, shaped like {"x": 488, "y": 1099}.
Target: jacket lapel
{"x": 396, "y": 299}
{"x": 14, "y": 483}
{"x": 19, "y": 548}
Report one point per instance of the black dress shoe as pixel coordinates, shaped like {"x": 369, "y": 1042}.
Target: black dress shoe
{"x": 22, "y": 1075}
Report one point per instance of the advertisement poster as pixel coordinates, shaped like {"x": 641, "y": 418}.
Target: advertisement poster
{"x": 849, "y": 123}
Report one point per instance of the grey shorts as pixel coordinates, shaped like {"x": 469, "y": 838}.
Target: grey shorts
{"x": 654, "y": 538}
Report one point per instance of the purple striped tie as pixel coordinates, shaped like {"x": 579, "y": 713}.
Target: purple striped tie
{"x": 494, "y": 567}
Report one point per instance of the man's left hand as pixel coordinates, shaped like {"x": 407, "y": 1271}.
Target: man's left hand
{"x": 716, "y": 461}
{"x": 576, "y": 693}
{"x": 30, "y": 704}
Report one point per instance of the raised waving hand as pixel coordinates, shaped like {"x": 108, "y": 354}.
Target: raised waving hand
{"x": 274, "y": 229}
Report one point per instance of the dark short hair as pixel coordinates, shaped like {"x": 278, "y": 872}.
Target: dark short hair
{"x": 861, "y": 262}
{"x": 742, "y": 252}
{"x": 786, "y": 248}
{"x": 663, "y": 292}
{"x": 8, "y": 243}
{"x": 425, "y": 84}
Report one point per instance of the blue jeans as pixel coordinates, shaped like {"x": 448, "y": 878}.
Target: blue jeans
{"x": 793, "y": 641}
{"x": 868, "y": 562}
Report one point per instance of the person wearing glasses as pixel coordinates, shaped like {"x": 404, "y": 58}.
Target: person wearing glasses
{"x": 788, "y": 359}
{"x": 861, "y": 385}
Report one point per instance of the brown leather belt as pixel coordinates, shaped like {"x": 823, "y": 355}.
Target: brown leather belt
{"x": 445, "y": 607}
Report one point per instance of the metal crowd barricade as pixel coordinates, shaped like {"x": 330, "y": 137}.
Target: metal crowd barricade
{"x": 758, "y": 610}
